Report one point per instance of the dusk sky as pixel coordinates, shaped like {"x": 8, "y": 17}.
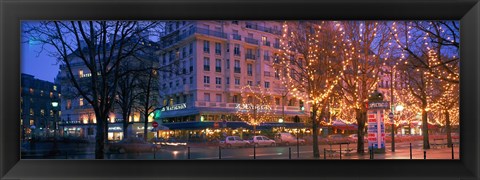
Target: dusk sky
{"x": 41, "y": 65}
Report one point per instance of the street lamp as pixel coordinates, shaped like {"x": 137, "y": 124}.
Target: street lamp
{"x": 54, "y": 109}
{"x": 398, "y": 108}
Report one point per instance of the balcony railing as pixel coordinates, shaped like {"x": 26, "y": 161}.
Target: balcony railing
{"x": 276, "y": 45}
{"x": 266, "y": 43}
{"x": 236, "y": 53}
{"x": 237, "y": 37}
{"x": 263, "y": 28}
{"x": 251, "y": 40}
{"x": 237, "y": 70}
{"x": 218, "y": 69}
{"x": 206, "y": 68}
{"x": 211, "y": 33}
{"x": 250, "y": 56}
{"x": 168, "y": 41}
{"x": 267, "y": 74}
{"x": 266, "y": 58}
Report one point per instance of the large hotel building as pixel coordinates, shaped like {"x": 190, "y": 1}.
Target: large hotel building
{"x": 220, "y": 59}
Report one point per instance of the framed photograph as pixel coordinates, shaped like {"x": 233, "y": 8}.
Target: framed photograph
{"x": 244, "y": 90}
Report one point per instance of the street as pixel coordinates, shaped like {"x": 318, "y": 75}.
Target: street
{"x": 204, "y": 152}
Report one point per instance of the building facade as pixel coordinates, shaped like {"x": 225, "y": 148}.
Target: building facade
{"x": 78, "y": 118}
{"x": 38, "y": 117}
{"x": 220, "y": 60}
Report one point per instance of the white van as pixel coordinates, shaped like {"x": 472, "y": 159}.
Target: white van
{"x": 287, "y": 139}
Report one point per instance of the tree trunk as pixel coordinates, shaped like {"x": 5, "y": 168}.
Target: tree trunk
{"x": 361, "y": 116}
{"x": 316, "y": 152}
{"x": 448, "y": 128}
{"x": 145, "y": 126}
{"x": 100, "y": 137}
{"x": 426, "y": 143}
{"x": 125, "y": 124}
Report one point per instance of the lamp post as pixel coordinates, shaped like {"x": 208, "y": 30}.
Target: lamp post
{"x": 54, "y": 109}
{"x": 398, "y": 108}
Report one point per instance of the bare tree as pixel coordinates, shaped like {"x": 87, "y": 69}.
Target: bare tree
{"x": 364, "y": 46}
{"x": 257, "y": 105}
{"x": 311, "y": 66}
{"x": 126, "y": 96}
{"x": 148, "y": 92}
{"x": 445, "y": 97}
{"x": 432, "y": 48}
{"x": 100, "y": 46}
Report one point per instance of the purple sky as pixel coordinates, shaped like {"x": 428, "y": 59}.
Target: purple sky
{"x": 41, "y": 65}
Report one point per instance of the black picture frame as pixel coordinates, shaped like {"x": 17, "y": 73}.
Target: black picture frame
{"x": 12, "y": 12}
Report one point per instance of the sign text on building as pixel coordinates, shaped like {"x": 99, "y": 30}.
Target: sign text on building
{"x": 248, "y": 107}
{"x": 175, "y": 107}
{"x": 379, "y": 105}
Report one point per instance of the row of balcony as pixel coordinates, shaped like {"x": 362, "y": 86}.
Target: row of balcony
{"x": 168, "y": 41}
{"x": 263, "y": 28}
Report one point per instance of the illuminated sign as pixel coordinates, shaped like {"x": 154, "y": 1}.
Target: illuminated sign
{"x": 114, "y": 128}
{"x": 175, "y": 107}
{"x": 248, "y": 107}
{"x": 379, "y": 105}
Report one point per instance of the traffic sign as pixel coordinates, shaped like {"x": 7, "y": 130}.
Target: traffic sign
{"x": 390, "y": 115}
{"x": 155, "y": 124}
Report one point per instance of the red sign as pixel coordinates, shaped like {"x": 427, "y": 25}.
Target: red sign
{"x": 215, "y": 125}
{"x": 155, "y": 124}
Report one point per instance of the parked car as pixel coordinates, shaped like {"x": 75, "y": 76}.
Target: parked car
{"x": 131, "y": 145}
{"x": 353, "y": 137}
{"x": 262, "y": 141}
{"x": 286, "y": 138}
{"x": 337, "y": 138}
{"x": 234, "y": 141}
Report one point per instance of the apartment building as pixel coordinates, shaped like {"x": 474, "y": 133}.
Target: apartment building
{"x": 36, "y": 112}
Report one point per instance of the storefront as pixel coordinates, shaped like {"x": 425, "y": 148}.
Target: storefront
{"x": 208, "y": 130}
{"x": 115, "y": 132}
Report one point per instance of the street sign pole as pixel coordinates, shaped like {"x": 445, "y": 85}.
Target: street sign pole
{"x": 393, "y": 130}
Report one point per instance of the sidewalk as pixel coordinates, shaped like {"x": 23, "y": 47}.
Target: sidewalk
{"x": 443, "y": 153}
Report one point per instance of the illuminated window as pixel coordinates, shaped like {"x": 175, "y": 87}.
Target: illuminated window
{"x": 80, "y": 73}
{"x": 31, "y": 112}
{"x": 69, "y": 104}
{"x": 55, "y": 87}
{"x": 80, "y": 102}
{"x": 41, "y": 92}
{"x": 32, "y": 122}
{"x": 31, "y": 91}
{"x": 51, "y": 94}
{"x": 42, "y": 112}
